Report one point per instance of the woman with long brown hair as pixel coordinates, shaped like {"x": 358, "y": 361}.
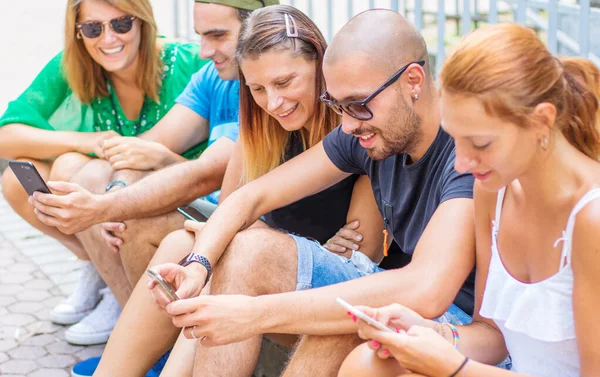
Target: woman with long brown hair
{"x": 280, "y": 54}
{"x": 526, "y": 126}
{"x": 102, "y": 95}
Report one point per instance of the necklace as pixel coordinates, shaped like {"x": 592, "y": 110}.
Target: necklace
{"x": 118, "y": 122}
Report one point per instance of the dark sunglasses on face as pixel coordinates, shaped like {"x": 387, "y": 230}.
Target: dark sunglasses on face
{"x": 94, "y": 29}
{"x": 359, "y": 109}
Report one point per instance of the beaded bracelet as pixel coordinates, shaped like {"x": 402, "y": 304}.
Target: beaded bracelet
{"x": 455, "y": 336}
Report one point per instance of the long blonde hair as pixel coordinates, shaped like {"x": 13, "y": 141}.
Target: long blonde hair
{"x": 263, "y": 139}
{"x": 516, "y": 72}
{"x": 87, "y": 78}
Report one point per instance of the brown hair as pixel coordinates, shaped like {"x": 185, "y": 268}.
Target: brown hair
{"x": 263, "y": 139}
{"x": 516, "y": 72}
{"x": 87, "y": 78}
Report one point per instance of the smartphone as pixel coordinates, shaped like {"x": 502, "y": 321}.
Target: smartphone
{"x": 165, "y": 287}
{"x": 29, "y": 177}
{"x": 362, "y": 316}
{"x": 192, "y": 213}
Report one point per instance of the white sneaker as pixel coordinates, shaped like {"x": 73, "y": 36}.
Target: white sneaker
{"x": 83, "y": 300}
{"x": 96, "y": 327}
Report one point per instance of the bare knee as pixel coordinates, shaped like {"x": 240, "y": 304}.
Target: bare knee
{"x": 173, "y": 247}
{"x": 362, "y": 361}
{"x": 11, "y": 188}
{"x": 258, "y": 261}
{"x": 93, "y": 176}
{"x": 66, "y": 165}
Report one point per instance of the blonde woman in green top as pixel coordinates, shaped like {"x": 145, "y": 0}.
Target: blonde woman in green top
{"x": 112, "y": 83}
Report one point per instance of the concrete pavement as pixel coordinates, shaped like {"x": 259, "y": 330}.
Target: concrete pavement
{"x": 36, "y": 273}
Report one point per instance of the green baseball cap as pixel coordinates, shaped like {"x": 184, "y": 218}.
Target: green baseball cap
{"x": 242, "y": 4}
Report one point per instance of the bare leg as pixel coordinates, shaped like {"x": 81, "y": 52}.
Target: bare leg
{"x": 320, "y": 355}
{"x": 141, "y": 239}
{"x": 60, "y": 170}
{"x": 182, "y": 361}
{"x": 144, "y": 333}
{"x": 258, "y": 261}
{"x": 94, "y": 176}
{"x": 362, "y": 362}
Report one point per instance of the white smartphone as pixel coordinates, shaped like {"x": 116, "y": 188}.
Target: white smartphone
{"x": 362, "y": 316}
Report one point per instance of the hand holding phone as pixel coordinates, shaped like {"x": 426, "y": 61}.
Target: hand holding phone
{"x": 363, "y": 317}
{"x": 29, "y": 177}
{"x": 165, "y": 288}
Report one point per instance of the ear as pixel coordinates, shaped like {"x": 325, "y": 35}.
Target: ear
{"x": 415, "y": 77}
{"x": 544, "y": 116}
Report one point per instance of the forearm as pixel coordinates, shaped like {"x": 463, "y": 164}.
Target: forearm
{"x": 480, "y": 341}
{"x": 22, "y": 141}
{"x": 476, "y": 369}
{"x": 238, "y": 212}
{"x": 162, "y": 191}
{"x": 315, "y": 311}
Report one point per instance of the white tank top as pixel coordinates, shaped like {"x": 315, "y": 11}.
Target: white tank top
{"x": 536, "y": 319}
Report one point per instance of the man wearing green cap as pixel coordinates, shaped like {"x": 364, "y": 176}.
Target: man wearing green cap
{"x": 210, "y": 105}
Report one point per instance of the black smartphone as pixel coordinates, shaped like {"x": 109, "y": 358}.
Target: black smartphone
{"x": 30, "y": 178}
{"x": 192, "y": 213}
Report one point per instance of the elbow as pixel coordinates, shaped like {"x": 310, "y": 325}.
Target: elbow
{"x": 432, "y": 302}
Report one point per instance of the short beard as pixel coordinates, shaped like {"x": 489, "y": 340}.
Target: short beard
{"x": 401, "y": 133}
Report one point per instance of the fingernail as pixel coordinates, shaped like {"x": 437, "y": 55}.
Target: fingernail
{"x": 359, "y": 238}
{"x": 397, "y": 330}
{"x": 355, "y": 223}
{"x": 348, "y": 313}
{"x": 355, "y": 246}
{"x": 121, "y": 227}
{"x": 375, "y": 344}
{"x": 354, "y": 318}
{"x": 30, "y": 200}
{"x": 386, "y": 352}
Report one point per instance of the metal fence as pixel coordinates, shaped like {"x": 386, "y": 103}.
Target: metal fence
{"x": 568, "y": 27}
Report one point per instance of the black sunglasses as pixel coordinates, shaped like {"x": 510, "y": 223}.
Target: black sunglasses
{"x": 94, "y": 29}
{"x": 359, "y": 109}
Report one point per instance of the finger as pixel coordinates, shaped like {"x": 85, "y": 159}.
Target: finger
{"x": 124, "y": 164}
{"x": 114, "y": 243}
{"x": 350, "y": 234}
{"x": 112, "y": 143}
{"x": 352, "y": 225}
{"x": 64, "y": 187}
{"x": 207, "y": 342}
{"x": 185, "y": 306}
{"x": 114, "y": 226}
{"x": 383, "y": 353}
{"x": 48, "y": 220}
{"x": 193, "y": 226}
{"x": 47, "y": 210}
{"x": 341, "y": 242}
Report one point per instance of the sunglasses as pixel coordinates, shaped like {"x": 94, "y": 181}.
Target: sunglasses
{"x": 359, "y": 109}
{"x": 94, "y": 29}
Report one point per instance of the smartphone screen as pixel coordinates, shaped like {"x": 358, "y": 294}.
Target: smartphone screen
{"x": 166, "y": 288}
{"x": 192, "y": 213}
{"x": 362, "y": 316}
{"x": 29, "y": 177}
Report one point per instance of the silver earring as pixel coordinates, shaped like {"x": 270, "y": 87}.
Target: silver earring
{"x": 416, "y": 97}
{"x": 544, "y": 142}
{"x": 78, "y": 35}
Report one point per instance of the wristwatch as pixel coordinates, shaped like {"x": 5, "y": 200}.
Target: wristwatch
{"x": 115, "y": 183}
{"x": 191, "y": 258}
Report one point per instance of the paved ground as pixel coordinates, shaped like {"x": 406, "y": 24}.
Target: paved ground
{"x": 36, "y": 273}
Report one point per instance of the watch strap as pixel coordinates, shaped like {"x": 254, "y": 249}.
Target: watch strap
{"x": 197, "y": 258}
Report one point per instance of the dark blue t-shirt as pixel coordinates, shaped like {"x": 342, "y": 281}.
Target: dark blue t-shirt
{"x": 407, "y": 195}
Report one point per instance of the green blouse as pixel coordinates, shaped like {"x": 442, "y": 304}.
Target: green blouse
{"x": 49, "y": 104}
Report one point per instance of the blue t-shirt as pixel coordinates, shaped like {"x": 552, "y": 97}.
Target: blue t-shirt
{"x": 216, "y": 100}
{"x": 407, "y": 194}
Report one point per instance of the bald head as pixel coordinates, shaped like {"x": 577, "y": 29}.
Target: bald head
{"x": 383, "y": 37}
